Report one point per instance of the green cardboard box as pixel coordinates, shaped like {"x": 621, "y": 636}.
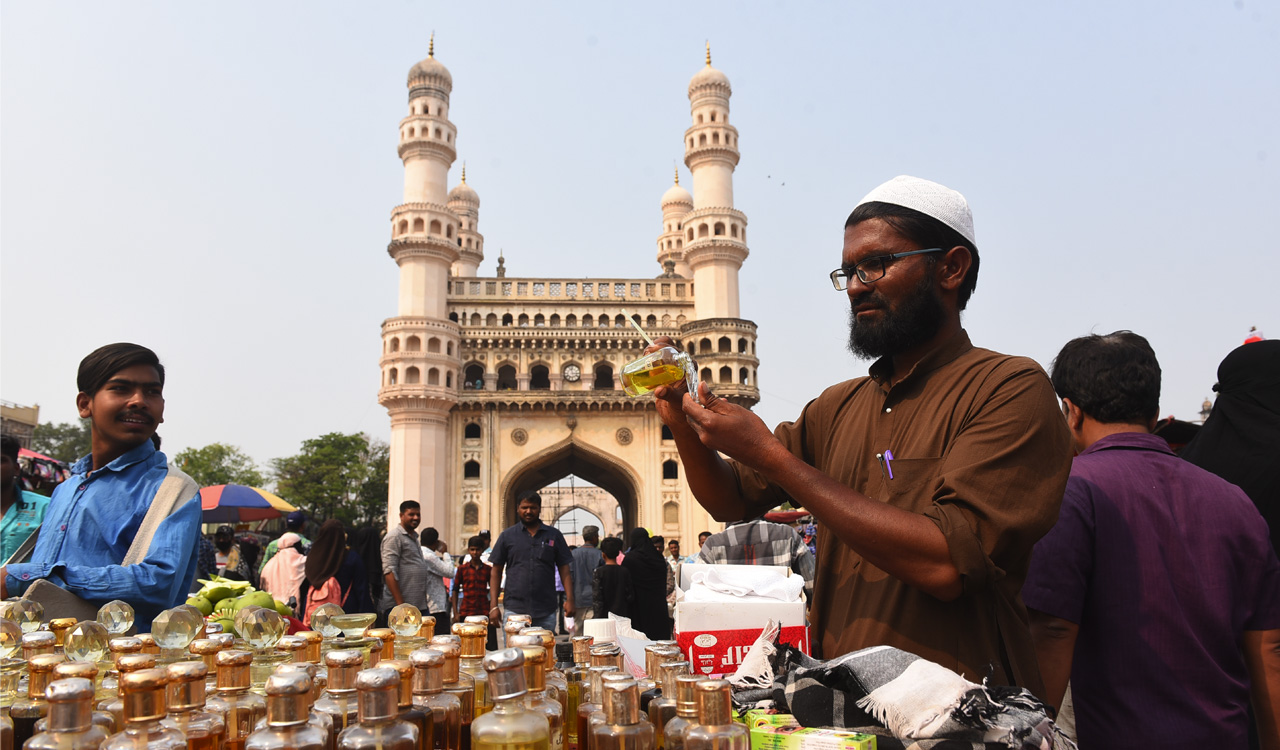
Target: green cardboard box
{"x": 767, "y": 736}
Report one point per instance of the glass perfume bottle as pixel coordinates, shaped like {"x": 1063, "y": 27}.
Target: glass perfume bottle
{"x": 598, "y": 717}
{"x": 624, "y": 727}
{"x": 239, "y": 708}
{"x": 117, "y": 617}
{"x": 174, "y": 630}
{"x": 662, "y": 367}
{"x": 82, "y": 670}
{"x": 405, "y": 621}
{"x": 471, "y": 662}
{"x": 557, "y": 685}
{"x": 663, "y": 708}
{"x": 591, "y": 701}
{"x": 607, "y": 655}
{"x": 288, "y": 724}
{"x": 535, "y": 678}
{"x": 318, "y": 719}
{"x": 60, "y": 626}
{"x": 70, "y": 720}
{"x": 262, "y": 629}
{"x": 185, "y": 695}
{"x": 429, "y": 695}
{"x": 125, "y": 664}
{"x": 380, "y": 726}
{"x": 339, "y": 698}
{"x": 26, "y": 711}
{"x": 423, "y": 720}
{"x": 11, "y": 670}
{"x": 510, "y": 725}
{"x": 206, "y": 650}
{"x": 144, "y": 707}
{"x": 457, "y": 684}
{"x": 686, "y": 712}
{"x": 574, "y": 677}
{"x": 27, "y": 614}
{"x": 715, "y": 729}
{"x": 353, "y": 638}
{"x": 651, "y": 686}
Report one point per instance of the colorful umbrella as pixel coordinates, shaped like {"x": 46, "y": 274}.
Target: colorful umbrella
{"x": 232, "y": 503}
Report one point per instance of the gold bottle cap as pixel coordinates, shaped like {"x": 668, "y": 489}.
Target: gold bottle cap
{"x": 449, "y": 646}
{"x": 85, "y": 670}
{"x": 186, "y": 685}
{"x": 314, "y": 641}
{"x": 288, "y": 698}
{"x": 526, "y": 619}
{"x": 472, "y": 635}
{"x": 142, "y": 693}
{"x": 481, "y": 619}
{"x": 226, "y": 639}
{"x": 292, "y": 645}
{"x": 149, "y": 645}
{"x": 40, "y": 673}
{"x": 38, "y": 642}
{"x": 651, "y": 661}
{"x": 310, "y": 670}
{"x": 379, "y": 693}
{"x": 404, "y": 668}
{"x": 513, "y": 627}
{"x": 124, "y": 645}
{"x": 548, "y": 643}
{"x": 207, "y": 649}
{"x": 506, "y": 673}
{"x": 595, "y": 676}
{"x": 70, "y": 704}
{"x": 535, "y": 658}
{"x": 428, "y": 670}
{"x": 668, "y": 671}
{"x": 59, "y": 627}
{"x": 343, "y": 666}
{"x": 135, "y": 662}
{"x": 685, "y": 689}
{"x": 233, "y": 669}
{"x": 428, "y": 627}
{"x": 582, "y": 649}
{"x": 621, "y": 702}
{"x": 713, "y": 703}
{"x": 388, "y": 638}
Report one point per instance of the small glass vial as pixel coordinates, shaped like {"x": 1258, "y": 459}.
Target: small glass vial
{"x": 471, "y": 662}
{"x": 575, "y": 677}
{"x": 143, "y": 694}
{"x": 663, "y": 708}
{"x": 535, "y": 677}
{"x": 510, "y": 725}
{"x": 380, "y": 726}
{"x": 339, "y": 698}
{"x": 662, "y": 367}
{"x": 686, "y": 712}
{"x": 126, "y": 664}
{"x": 25, "y": 712}
{"x": 70, "y": 720}
{"x": 429, "y": 695}
{"x": 715, "y": 729}
{"x": 591, "y": 702}
{"x": 239, "y": 708}
{"x": 185, "y": 693}
{"x": 288, "y": 724}
{"x": 423, "y": 720}
{"x": 624, "y": 727}
{"x": 457, "y": 684}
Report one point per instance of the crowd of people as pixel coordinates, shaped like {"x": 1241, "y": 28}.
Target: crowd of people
{"x": 1015, "y": 526}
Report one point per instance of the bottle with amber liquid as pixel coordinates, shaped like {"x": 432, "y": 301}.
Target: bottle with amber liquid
{"x": 715, "y": 729}
{"x": 423, "y": 720}
{"x": 339, "y": 698}
{"x": 239, "y": 708}
{"x": 471, "y": 662}
{"x": 85, "y": 670}
{"x": 288, "y": 724}
{"x": 34, "y": 643}
{"x": 575, "y": 677}
{"x": 380, "y": 726}
{"x": 510, "y": 725}
{"x": 598, "y": 717}
{"x": 535, "y": 675}
{"x": 654, "y": 656}
{"x": 429, "y": 695}
{"x": 686, "y": 712}
{"x": 206, "y": 650}
{"x": 458, "y": 684}
{"x": 591, "y": 701}
{"x": 70, "y": 721}
{"x": 26, "y": 711}
{"x": 116, "y": 648}
{"x": 144, "y": 706}
{"x": 321, "y": 721}
{"x": 624, "y": 726}
{"x": 126, "y": 664}
{"x": 557, "y": 687}
{"x": 185, "y": 693}
{"x": 663, "y": 708}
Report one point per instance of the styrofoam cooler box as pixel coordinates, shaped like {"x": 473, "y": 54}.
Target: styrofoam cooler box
{"x": 716, "y": 636}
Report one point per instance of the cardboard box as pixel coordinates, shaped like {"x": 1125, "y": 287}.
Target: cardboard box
{"x": 716, "y": 636}
{"x": 795, "y": 737}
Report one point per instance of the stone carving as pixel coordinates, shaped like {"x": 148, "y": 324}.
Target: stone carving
{"x": 624, "y": 436}
{"x": 519, "y": 436}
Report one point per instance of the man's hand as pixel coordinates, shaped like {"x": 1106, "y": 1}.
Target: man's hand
{"x": 729, "y": 428}
{"x": 494, "y": 615}
{"x": 568, "y": 607}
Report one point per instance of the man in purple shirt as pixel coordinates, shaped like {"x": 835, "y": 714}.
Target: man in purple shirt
{"x": 1157, "y": 593}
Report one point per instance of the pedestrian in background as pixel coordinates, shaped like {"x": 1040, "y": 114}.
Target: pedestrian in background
{"x": 586, "y": 559}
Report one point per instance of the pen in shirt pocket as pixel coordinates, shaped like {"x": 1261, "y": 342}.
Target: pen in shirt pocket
{"x": 886, "y": 463}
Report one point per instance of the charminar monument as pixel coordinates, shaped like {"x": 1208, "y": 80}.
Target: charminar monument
{"x": 499, "y": 384}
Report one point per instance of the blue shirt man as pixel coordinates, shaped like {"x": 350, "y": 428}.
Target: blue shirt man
{"x": 531, "y": 552}
{"x": 94, "y": 516}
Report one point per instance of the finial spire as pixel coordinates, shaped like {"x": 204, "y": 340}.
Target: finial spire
{"x": 676, "y": 169}
{"x": 431, "y": 47}
{"x": 464, "y": 173}
{"x": 708, "y": 53}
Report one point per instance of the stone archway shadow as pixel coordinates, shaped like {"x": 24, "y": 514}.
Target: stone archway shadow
{"x": 572, "y": 457}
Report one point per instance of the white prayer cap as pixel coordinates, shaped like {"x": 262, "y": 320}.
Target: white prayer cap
{"x": 929, "y": 198}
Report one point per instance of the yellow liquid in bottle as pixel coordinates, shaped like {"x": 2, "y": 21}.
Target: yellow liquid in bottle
{"x": 208, "y": 742}
{"x": 644, "y": 381}
{"x": 571, "y": 713}
{"x": 543, "y": 744}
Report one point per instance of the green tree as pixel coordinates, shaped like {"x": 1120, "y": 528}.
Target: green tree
{"x": 337, "y": 476}
{"x": 66, "y": 441}
{"x": 218, "y": 463}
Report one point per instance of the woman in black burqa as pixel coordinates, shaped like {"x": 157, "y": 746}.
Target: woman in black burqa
{"x": 334, "y": 573}
{"x": 649, "y": 582}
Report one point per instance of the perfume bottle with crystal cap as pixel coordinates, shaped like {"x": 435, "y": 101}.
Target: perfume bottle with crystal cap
{"x": 117, "y": 617}
{"x": 624, "y": 726}
{"x": 185, "y": 696}
{"x": 715, "y": 729}
{"x": 288, "y": 725}
{"x": 405, "y": 621}
{"x": 70, "y": 724}
{"x": 143, "y": 693}
{"x": 380, "y": 726}
{"x": 174, "y": 630}
{"x": 240, "y": 709}
{"x": 429, "y": 695}
{"x": 458, "y": 684}
{"x": 510, "y": 725}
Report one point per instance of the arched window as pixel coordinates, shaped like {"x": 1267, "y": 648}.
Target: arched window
{"x": 395, "y": 344}
{"x": 733, "y": 230}
{"x": 450, "y": 348}
{"x": 744, "y": 376}
{"x": 403, "y": 226}
{"x": 651, "y": 321}
{"x": 742, "y": 346}
{"x": 703, "y": 230}
{"x": 667, "y": 434}
{"x": 539, "y": 378}
{"x": 507, "y": 319}
{"x": 475, "y": 319}
{"x": 507, "y": 378}
{"x": 412, "y": 132}
{"x": 555, "y": 320}
{"x": 412, "y": 376}
{"x": 470, "y": 515}
{"x": 448, "y": 379}
{"x": 619, "y": 322}
{"x": 726, "y": 374}
{"x": 571, "y": 321}
{"x": 413, "y": 344}
{"x": 433, "y": 345}
{"x": 393, "y": 377}
{"x": 705, "y": 375}
{"x": 724, "y": 345}
{"x": 670, "y": 469}
{"x": 702, "y": 139}
{"x": 713, "y": 116}
{"x": 448, "y": 231}
{"x": 471, "y": 431}
{"x": 435, "y": 226}
{"x": 491, "y": 320}
{"x": 453, "y": 316}
{"x": 588, "y": 321}
{"x": 439, "y": 133}
{"x": 417, "y": 225}
{"x": 433, "y": 376}
{"x": 604, "y": 377}
{"x": 471, "y": 470}
{"x": 671, "y": 513}
{"x": 691, "y": 234}
{"x": 699, "y": 118}
{"x": 719, "y": 230}
{"x": 474, "y": 375}
{"x": 704, "y": 346}
{"x": 691, "y": 143}
{"x": 715, "y": 138}
{"x": 524, "y": 320}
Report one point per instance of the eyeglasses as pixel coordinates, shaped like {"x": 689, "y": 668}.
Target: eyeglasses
{"x": 871, "y": 269}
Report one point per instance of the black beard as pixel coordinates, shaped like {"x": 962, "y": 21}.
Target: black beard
{"x": 916, "y": 320}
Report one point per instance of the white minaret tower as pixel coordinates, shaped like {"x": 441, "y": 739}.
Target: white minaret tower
{"x": 420, "y": 363}
{"x": 676, "y": 202}
{"x": 464, "y": 202}
{"x": 715, "y": 234}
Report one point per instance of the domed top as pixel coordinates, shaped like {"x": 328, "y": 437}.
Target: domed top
{"x": 431, "y": 67}
{"x": 676, "y": 194}
{"x": 463, "y": 192}
{"x": 708, "y": 76}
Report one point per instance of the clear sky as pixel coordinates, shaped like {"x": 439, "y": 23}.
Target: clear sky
{"x": 214, "y": 180}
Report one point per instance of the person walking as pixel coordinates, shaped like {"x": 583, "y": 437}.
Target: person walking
{"x": 404, "y": 568}
{"x": 586, "y": 559}
{"x": 648, "y": 574}
{"x": 530, "y": 552}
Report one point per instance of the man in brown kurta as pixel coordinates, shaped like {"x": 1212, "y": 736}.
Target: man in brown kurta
{"x": 931, "y": 479}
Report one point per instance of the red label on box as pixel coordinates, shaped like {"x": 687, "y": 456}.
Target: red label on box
{"x": 719, "y": 652}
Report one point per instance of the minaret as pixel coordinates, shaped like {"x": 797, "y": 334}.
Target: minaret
{"x": 676, "y": 202}
{"x": 464, "y": 202}
{"x": 715, "y": 234}
{"x": 420, "y": 346}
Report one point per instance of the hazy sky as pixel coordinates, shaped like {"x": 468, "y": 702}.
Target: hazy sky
{"x": 214, "y": 180}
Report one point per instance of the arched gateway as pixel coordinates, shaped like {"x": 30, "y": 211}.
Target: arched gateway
{"x": 572, "y": 456}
